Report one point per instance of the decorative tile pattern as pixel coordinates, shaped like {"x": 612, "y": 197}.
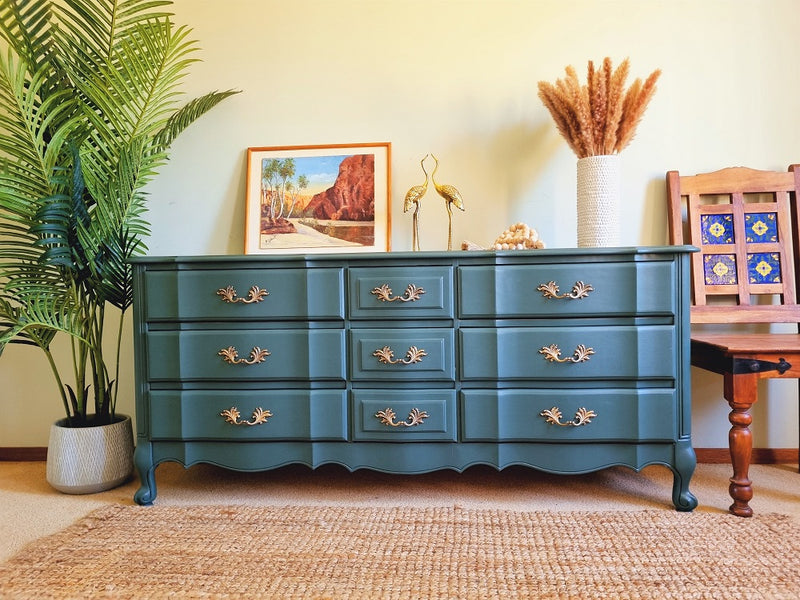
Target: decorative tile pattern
{"x": 720, "y": 269}
{"x": 716, "y": 229}
{"x": 761, "y": 228}
{"x": 764, "y": 267}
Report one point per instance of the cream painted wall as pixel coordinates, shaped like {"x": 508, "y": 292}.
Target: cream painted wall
{"x": 458, "y": 78}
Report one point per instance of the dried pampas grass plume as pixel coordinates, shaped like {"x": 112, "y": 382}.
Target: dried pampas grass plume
{"x": 601, "y": 116}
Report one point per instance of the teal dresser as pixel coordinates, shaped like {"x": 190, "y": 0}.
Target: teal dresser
{"x": 564, "y": 360}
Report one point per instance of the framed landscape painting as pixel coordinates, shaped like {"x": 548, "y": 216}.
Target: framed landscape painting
{"x": 316, "y": 199}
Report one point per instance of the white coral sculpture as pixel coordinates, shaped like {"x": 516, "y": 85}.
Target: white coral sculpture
{"x": 518, "y": 237}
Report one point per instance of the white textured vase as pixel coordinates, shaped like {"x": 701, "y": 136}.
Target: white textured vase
{"x": 86, "y": 460}
{"x": 599, "y": 190}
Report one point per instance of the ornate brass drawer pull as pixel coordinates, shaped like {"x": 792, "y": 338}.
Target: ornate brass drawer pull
{"x": 384, "y": 293}
{"x": 579, "y": 290}
{"x": 255, "y": 294}
{"x": 232, "y": 415}
{"x": 386, "y": 356}
{"x": 415, "y": 417}
{"x": 552, "y": 353}
{"x": 582, "y": 417}
{"x": 231, "y": 356}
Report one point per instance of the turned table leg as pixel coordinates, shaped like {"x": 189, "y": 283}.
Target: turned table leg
{"x": 740, "y": 392}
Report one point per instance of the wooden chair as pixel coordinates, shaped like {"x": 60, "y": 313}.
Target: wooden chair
{"x": 745, "y": 224}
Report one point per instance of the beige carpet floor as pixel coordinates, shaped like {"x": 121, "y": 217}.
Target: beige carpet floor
{"x": 30, "y": 509}
{"x": 309, "y": 552}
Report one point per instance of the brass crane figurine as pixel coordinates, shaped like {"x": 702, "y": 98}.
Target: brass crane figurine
{"x": 413, "y": 196}
{"x": 451, "y": 196}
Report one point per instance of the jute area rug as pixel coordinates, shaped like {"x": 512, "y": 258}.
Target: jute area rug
{"x": 337, "y": 552}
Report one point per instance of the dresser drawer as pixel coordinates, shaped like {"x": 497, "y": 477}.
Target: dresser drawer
{"x": 226, "y": 294}
{"x": 600, "y": 352}
{"x": 547, "y": 289}
{"x": 401, "y": 292}
{"x": 400, "y": 416}
{"x": 294, "y": 354}
{"x": 402, "y": 354}
{"x": 620, "y": 415}
{"x": 292, "y": 415}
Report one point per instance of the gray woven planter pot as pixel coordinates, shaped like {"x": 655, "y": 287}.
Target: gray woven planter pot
{"x": 86, "y": 460}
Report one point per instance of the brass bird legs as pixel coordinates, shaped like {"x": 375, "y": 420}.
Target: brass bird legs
{"x": 414, "y": 196}
{"x": 451, "y": 196}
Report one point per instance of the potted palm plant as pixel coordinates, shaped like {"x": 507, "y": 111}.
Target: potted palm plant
{"x": 88, "y": 109}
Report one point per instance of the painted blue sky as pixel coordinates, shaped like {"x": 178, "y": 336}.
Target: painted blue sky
{"x": 320, "y": 170}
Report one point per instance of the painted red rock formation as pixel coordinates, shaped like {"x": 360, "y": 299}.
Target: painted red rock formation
{"x": 352, "y": 196}
{"x": 279, "y": 225}
{"x": 271, "y": 225}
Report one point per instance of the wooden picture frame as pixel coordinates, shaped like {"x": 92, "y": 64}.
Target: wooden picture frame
{"x": 318, "y": 199}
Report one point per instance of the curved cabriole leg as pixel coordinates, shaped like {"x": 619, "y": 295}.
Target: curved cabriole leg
{"x": 685, "y": 463}
{"x": 740, "y": 392}
{"x": 143, "y": 459}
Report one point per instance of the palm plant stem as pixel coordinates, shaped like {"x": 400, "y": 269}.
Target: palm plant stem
{"x": 113, "y": 399}
{"x": 99, "y": 372}
{"x": 59, "y": 381}
{"x": 79, "y": 351}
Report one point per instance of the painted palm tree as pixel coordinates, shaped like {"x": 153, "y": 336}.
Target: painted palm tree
{"x": 413, "y": 198}
{"x": 451, "y": 196}
{"x": 88, "y": 110}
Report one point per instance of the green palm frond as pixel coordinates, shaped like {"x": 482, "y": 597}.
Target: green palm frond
{"x": 188, "y": 114}
{"x": 33, "y": 127}
{"x": 25, "y": 26}
{"x": 98, "y": 24}
{"x": 37, "y": 325}
{"x": 113, "y": 275}
{"x": 39, "y": 308}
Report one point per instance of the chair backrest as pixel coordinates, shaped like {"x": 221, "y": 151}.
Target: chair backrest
{"x": 745, "y": 223}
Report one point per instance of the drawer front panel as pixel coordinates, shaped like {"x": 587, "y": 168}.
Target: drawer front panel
{"x": 226, "y": 295}
{"x": 294, "y": 415}
{"x": 402, "y": 354}
{"x": 589, "y": 352}
{"x": 390, "y": 416}
{"x": 620, "y": 415}
{"x": 401, "y": 292}
{"x": 527, "y": 291}
{"x": 295, "y": 354}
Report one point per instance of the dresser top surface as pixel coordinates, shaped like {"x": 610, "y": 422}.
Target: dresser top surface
{"x": 461, "y": 256}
